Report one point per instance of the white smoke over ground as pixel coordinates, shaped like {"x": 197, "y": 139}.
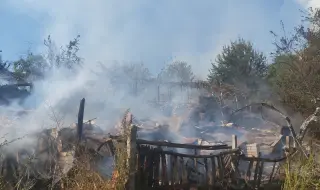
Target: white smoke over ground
{"x": 156, "y": 32}
{"x": 130, "y": 30}
{"x": 309, "y": 3}
{"x": 55, "y": 101}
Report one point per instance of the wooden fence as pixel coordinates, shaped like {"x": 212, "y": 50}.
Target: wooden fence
{"x": 163, "y": 165}
{"x": 158, "y": 167}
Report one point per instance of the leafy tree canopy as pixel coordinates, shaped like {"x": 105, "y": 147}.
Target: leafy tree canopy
{"x": 238, "y": 63}
{"x": 178, "y": 71}
{"x": 295, "y": 72}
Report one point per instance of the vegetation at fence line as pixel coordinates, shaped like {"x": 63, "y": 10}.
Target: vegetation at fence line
{"x": 301, "y": 173}
{"x": 239, "y": 64}
{"x": 292, "y": 78}
{"x": 82, "y": 178}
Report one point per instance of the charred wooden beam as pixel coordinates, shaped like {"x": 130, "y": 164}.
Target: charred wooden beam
{"x": 80, "y": 119}
{"x": 188, "y": 146}
{"x": 255, "y": 159}
{"x": 231, "y": 151}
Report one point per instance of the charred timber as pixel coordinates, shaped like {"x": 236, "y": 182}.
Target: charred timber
{"x": 188, "y": 146}
{"x": 255, "y": 159}
{"x": 80, "y": 119}
{"x": 226, "y": 152}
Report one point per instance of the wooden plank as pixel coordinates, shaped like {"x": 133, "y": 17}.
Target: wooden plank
{"x": 256, "y": 172}
{"x": 195, "y": 161}
{"x": 236, "y": 174}
{"x": 164, "y": 169}
{"x": 260, "y": 175}
{"x": 180, "y": 169}
{"x": 272, "y": 172}
{"x": 139, "y": 172}
{"x": 248, "y": 175}
{"x": 289, "y": 144}
{"x": 234, "y": 142}
{"x": 80, "y": 119}
{"x": 221, "y": 167}
{"x": 191, "y": 156}
{"x": 245, "y": 158}
{"x": 188, "y": 146}
{"x": 207, "y": 173}
{"x": 213, "y": 170}
{"x": 161, "y": 171}
{"x": 234, "y": 160}
{"x": 184, "y": 172}
{"x": 172, "y": 170}
{"x": 132, "y": 152}
{"x": 227, "y": 161}
{"x": 144, "y": 176}
{"x": 142, "y": 166}
{"x": 156, "y": 166}
{"x": 175, "y": 169}
{"x": 149, "y": 168}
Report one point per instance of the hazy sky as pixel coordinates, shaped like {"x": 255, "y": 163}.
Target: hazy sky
{"x": 154, "y": 32}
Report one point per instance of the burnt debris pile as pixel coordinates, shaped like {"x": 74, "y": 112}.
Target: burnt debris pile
{"x": 199, "y": 142}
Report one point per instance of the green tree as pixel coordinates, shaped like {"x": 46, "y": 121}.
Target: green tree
{"x": 5, "y": 73}
{"x": 295, "y": 72}
{"x": 4, "y": 65}
{"x": 239, "y": 64}
{"x": 178, "y": 71}
{"x": 278, "y": 66}
{"x": 31, "y": 67}
{"x": 131, "y": 76}
{"x": 65, "y": 57}
{"x": 34, "y": 66}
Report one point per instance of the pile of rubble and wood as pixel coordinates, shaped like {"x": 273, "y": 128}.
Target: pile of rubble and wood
{"x": 56, "y": 150}
{"x": 43, "y": 158}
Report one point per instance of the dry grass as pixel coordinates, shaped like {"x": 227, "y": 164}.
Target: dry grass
{"x": 82, "y": 178}
{"x": 301, "y": 173}
{"x": 121, "y": 169}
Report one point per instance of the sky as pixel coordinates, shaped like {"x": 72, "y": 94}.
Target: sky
{"x": 154, "y": 32}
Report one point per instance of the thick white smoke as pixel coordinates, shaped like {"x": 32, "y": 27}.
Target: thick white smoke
{"x": 134, "y": 31}
{"x": 309, "y": 3}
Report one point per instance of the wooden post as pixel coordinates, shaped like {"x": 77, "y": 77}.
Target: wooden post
{"x": 132, "y": 158}
{"x": 288, "y": 144}
{"x": 234, "y": 142}
{"x": 196, "y": 152}
{"x": 80, "y": 119}
{"x": 309, "y": 147}
{"x": 253, "y": 151}
{"x": 234, "y": 159}
{"x": 158, "y": 93}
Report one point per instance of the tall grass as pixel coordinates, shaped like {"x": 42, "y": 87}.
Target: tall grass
{"x": 83, "y": 179}
{"x": 80, "y": 177}
{"x": 301, "y": 173}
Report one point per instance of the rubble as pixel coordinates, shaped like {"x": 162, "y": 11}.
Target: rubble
{"x": 53, "y": 153}
{"x": 56, "y": 153}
